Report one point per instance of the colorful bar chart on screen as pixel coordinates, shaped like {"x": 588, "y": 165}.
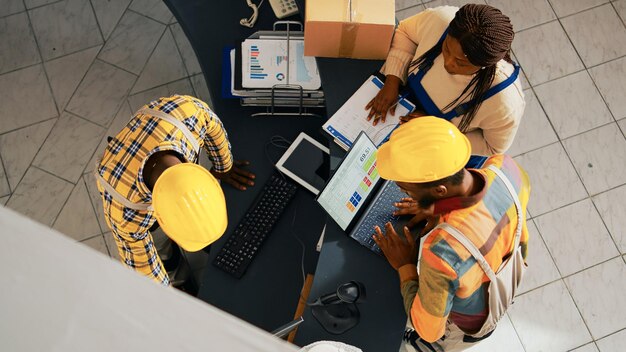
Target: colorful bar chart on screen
{"x": 352, "y": 183}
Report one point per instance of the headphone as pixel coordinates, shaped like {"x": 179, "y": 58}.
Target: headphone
{"x": 249, "y": 22}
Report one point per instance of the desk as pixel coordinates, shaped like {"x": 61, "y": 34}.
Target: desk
{"x": 268, "y": 293}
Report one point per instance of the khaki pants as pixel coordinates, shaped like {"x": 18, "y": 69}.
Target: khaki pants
{"x": 451, "y": 341}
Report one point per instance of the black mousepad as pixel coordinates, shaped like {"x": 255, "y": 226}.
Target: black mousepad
{"x": 336, "y": 318}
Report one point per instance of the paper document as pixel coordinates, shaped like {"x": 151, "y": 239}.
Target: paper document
{"x": 264, "y": 64}
{"x": 231, "y": 84}
{"x": 346, "y": 124}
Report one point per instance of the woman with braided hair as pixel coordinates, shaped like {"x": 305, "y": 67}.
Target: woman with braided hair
{"x": 455, "y": 64}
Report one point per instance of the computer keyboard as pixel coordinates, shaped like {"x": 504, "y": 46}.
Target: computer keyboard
{"x": 244, "y": 242}
{"x": 380, "y": 213}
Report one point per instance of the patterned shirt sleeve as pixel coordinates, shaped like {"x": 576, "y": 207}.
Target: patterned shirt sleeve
{"x": 216, "y": 141}
{"x": 408, "y": 290}
{"x": 432, "y": 304}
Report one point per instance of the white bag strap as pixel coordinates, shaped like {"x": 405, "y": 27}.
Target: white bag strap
{"x": 470, "y": 246}
{"x": 518, "y": 205}
{"x": 117, "y": 196}
{"x": 169, "y": 118}
{"x": 163, "y": 116}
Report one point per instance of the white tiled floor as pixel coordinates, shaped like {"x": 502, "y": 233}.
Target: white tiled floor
{"x": 584, "y": 109}
{"x": 71, "y": 72}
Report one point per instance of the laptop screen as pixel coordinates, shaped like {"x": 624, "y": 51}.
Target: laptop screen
{"x": 352, "y": 183}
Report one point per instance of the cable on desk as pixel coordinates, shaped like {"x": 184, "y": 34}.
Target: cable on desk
{"x": 293, "y": 233}
{"x": 278, "y": 142}
{"x": 249, "y": 22}
{"x": 283, "y": 143}
{"x": 383, "y": 130}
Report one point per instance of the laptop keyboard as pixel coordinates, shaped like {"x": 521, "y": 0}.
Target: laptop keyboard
{"x": 380, "y": 213}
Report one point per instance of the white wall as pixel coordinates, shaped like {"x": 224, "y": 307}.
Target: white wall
{"x": 58, "y": 295}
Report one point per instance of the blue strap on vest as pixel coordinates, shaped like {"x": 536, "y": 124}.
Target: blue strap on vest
{"x": 462, "y": 108}
{"x": 415, "y": 83}
{"x": 476, "y": 162}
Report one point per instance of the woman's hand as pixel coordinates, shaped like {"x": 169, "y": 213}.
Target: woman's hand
{"x": 384, "y": 100}
{"x": 236, "y": 176}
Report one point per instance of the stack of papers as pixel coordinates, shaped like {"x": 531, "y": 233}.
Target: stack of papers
{"x": 346, "y": 124}
{"x": 265, "y": 63}
{"x": 260, "y": 73}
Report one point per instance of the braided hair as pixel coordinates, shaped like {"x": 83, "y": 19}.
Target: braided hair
{"x": 485, "y": 34}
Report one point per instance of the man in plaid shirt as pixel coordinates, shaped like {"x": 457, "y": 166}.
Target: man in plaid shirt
{"x": 164, "y": 133}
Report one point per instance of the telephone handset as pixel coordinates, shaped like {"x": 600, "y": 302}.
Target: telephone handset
{"x": 281, "y": 8}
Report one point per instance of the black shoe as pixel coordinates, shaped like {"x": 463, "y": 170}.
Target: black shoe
{"x": 189, "y": 286}
{"x": 172, "y": 263}
{"x": 183, "y": 279}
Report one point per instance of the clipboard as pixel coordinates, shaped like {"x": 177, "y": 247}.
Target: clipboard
{"x": 351, "y": 119}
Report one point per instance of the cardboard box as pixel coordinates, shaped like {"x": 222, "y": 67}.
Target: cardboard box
{"x": 358, "y": 29}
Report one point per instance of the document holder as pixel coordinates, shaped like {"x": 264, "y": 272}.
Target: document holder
{"x": 288, "y": 99}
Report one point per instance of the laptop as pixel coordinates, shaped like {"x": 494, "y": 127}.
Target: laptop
{"x": 357, "y": 198}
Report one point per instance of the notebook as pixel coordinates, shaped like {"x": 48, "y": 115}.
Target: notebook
{"x": 357, "y": 198}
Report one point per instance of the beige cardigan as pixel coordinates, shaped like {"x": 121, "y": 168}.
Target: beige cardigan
{"x": 494, "y": 126}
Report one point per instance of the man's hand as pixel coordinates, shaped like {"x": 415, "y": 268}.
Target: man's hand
{"x": 236, "y": 176}
{"x": 408, "y": 206}
{"x": 411, "y": 116}
{"x": 398, "y": 251}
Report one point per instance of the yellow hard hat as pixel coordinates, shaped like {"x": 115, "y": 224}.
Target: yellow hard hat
{"x": 190, "y": 206}
{"x": 422, "y": 150}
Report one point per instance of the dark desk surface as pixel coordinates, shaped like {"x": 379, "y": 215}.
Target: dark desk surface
{"x": 268, "y": 293}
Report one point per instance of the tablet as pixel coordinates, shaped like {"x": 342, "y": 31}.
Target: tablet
{"x": 306, "y": 162}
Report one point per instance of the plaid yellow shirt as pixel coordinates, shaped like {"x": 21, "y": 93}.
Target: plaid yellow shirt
{"x": 122, "y": 167}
